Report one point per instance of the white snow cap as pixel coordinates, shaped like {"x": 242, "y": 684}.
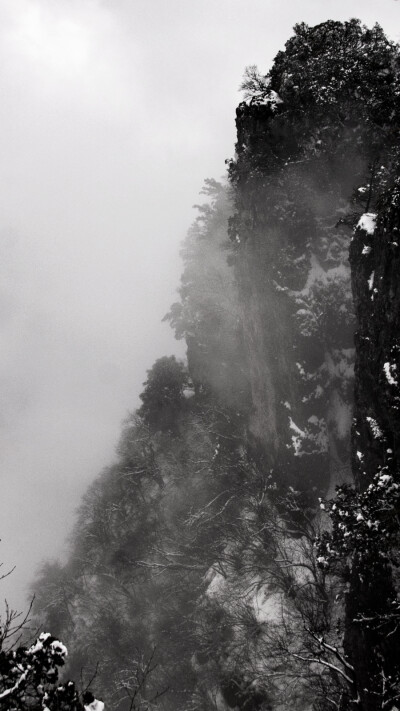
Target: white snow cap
{"x": 367, "y": 222}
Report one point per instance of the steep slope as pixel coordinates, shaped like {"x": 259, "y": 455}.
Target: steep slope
{"x": 315, "y": 151}
{"x": 373, "y": 635}
{"x": 311, "y": 132}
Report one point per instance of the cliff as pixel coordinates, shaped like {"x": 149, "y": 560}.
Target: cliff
{"x": 373, "y": 638}
{"x": 213, "y": 566}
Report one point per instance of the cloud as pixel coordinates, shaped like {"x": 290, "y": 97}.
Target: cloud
{"x": 72, "y": 54}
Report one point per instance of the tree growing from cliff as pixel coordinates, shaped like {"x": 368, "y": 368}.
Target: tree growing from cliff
{"x": 163, "y": 396}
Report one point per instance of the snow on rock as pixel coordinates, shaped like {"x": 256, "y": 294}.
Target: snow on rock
{"x": 274, "y": 98}
{"x": 315, "y": 394}
{"x": 300, "y": 369}
{"x": 371, "y": 281}
{"x": 311, "y": 440}
{"x": 388, "y": 368}
{"x": 376, "y": 430}
{"x": 316, "y": 294}
{"x": 322, "y": 561}
{"x": 298, "y": 436}
{"x": 270, "y": 98}
{"x": 367, "y": 222}
{"x": 317, "y": 274}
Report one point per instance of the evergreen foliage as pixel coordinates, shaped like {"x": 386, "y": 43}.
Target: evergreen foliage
{"x": 29, "y": 675}
{"x": 163, "y": 396}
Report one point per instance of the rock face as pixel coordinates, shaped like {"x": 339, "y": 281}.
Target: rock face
{"x": 294, "y": 280}
{"x": 316, "y": 154}
{"x": 309, "y": 138}
{"x": 373, "y": 637}
{"x": 375, "y": 262}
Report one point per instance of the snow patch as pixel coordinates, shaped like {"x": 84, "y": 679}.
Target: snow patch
{"x": 367, "y": 222}
{"x": 297, "y": 437}
{"x": 371, "y": 281}
{"x": 271, "y": 99}
{"x": 388, "y": 372}
{"x": 318, "y": 274}
{"x": 322, "y": 561}
{"x": 376, "y": 430}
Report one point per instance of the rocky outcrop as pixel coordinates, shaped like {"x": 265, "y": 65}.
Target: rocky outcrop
{"x": 294, "y": 281}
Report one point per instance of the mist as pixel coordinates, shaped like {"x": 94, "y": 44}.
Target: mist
{"x": 113, "y": 114}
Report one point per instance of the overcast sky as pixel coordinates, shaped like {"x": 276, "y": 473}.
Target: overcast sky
{"x": 112, "y": 114}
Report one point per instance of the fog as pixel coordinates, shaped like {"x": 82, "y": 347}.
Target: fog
{"x": 113, "y": 113}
